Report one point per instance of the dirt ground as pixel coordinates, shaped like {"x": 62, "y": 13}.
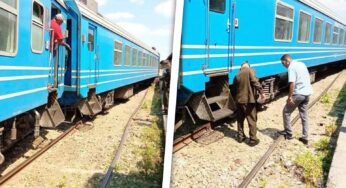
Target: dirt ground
{"x": 82, "y": 158}
{"x": 225, "y": 162}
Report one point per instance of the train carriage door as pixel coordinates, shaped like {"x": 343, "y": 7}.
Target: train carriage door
{"x": 219, "y": 35}
{"x": 58, "y": 53}
{"x": 93, "y": 56}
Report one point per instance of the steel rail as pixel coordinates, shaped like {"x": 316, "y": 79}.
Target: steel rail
{"x": 20, "y": 167}
{"x": 107, "y": 178}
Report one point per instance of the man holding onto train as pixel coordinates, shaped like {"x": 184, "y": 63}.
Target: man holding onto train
{"x": 57, "y": 35}
{"x": 300, "y": 90}
{"x": 245, "y": 82}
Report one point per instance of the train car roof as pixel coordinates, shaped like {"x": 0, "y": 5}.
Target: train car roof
{"x": 85, "y": 11}
{"x": 323, "y": 9}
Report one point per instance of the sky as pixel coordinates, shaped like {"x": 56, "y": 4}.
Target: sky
{"x": 151, "y": 21}
{"x": 338, "y": 6}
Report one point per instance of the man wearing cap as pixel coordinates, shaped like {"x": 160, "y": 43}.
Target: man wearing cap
{"x": 245, "y": 82}
{"x": 300, "y": 90}
{"x": 57, "y": 33}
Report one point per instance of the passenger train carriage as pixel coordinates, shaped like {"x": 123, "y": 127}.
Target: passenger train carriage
{"x": 219, "y": 35}
{"x": 35, "y": 82}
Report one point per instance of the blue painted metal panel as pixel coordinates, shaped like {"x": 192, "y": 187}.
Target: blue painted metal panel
{"x": 24, "y": 77}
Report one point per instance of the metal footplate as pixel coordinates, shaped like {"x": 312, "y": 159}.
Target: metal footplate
{"x": 52, "y": 116}
{"x": 211, "y": 109}
{"x": 90, "y": 106}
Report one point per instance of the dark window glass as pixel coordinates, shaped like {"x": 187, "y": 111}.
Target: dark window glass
{"x": 217, "y": 6}
{"x": 91, "y": 39}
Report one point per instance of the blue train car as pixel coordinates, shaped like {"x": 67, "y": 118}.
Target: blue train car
{"x": 229, "y": 32}
{"x": 109, "y": 58}
{"x": 37, "y": 80}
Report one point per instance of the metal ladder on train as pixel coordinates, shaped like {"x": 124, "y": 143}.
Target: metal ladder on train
{"x": 216, "y": 102}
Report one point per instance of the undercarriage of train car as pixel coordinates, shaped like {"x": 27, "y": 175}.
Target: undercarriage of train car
{"x": 217, "y": 103}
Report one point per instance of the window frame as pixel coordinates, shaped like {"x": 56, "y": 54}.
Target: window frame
{"x": 134, "y": 63}
{"x": 341, "y": 40}
{"x": 313, "y": 38}
{"x": 219, "y": 12}
{"x": 325, "y": 32}
{"x": 140, "y": 55}
{"x": 129, "y": 47}
{"x": 308, "y": 41}
{"x": 116, "y": 50}
{"x": 33, "y": 22}
{"x": 14, "y": 11}
{"x": 337, "y": 37}
{"x": 284, "y": 18}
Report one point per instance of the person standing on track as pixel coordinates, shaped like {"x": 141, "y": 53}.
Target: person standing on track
{"x": 300, "y": 90}
{"x": 245, "y": 83}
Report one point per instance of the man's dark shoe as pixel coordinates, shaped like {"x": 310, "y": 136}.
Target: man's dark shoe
{"x": 254, "y": 142}
{"x": 241, "y": 139}
{"x": 304, "y": 141}
{"x": 286, "y": 135}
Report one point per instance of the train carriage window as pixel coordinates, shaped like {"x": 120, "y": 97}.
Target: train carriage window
{"x": 134, "y": 56}
{"x": 283, "y": 23}
{"x": 304, "y": 27}
{"x": 8, "y": 29}
{"x": 335, "y": 35}
{"x": 341, "y": 36}
{"x": 217, "y": 6}
{"x": 11, "y": 3}
{"x": 327, "y": 33}
{"x": 117, "y": 53}
{"x": 144, "y": 59}
{"x": 127, "y": 55}
{"x": 140, "y": 56}
{"x": 345, "y": 38}
{"x": 318, "y": 30}
{"x": 37, "y": 28}
{"x": 91, "y": 35}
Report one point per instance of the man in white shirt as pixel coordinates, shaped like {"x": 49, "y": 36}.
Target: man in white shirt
{"x": 300, "y": 90}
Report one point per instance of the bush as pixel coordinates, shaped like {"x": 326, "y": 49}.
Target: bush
{"x": 312, "y": 165}
{"x": 151, "y": 154}
{"x": 325, "y": 99}
{"x": 330, "y": 129}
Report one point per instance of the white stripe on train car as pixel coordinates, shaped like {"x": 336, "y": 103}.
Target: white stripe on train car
{"x": 187, "y": 73}
{"x": 11, "y": 95}
{"x": 110, "y": 81}
{"x": 188, "y": 46}
{"x": 11, "y": 78}
{"x": 114, "y": 74}
{"x": 111, "y": 70}
{"x": 23, "y": 68}
{"x": 200, "y": 56}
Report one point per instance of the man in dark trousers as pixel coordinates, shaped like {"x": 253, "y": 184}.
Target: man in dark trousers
{"x": 245, "y": 83}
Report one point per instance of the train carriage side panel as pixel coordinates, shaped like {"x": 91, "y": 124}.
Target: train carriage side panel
{"x": 257, "y": 43}
{"x": 24, "y": 58}
{"x": 98, "y": 66}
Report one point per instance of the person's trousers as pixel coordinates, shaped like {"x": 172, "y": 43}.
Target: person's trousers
{"x": 301, "y": 102}
{"x": 249, "y": 112}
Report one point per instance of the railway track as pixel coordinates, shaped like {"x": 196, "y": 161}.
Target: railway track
{"x": 21, "y": 166}
{"x": 77, "y": 126}
{"x": 108, "y": 176}
{"x": 249, "y": 177}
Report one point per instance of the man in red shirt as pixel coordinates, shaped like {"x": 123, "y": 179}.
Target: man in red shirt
{"x": 57, "y": 33}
